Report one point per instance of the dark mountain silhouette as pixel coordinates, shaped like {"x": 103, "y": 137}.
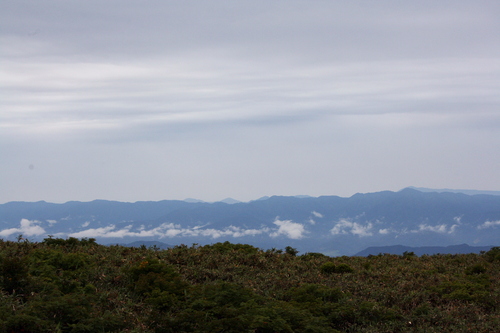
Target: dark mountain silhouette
{"x": 423, "y": 250}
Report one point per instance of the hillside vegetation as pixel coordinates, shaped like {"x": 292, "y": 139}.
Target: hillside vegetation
{"x": 77, "y": 285}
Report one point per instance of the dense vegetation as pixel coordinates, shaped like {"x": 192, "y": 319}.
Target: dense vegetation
{"x": 77, "y": 285}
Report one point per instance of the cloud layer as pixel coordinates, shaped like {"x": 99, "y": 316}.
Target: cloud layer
{"x": 168, "y": 230}
{"x": 26, "y": 228}
{"x": 345, "y": 226}
{"x": 489, "y": 224}
{"x": 368, "y": 228}
{"x": 286, "y": 229}
{"x": 289, "y": 229}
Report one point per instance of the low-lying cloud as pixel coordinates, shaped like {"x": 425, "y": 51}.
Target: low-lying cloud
{"x": 384, "y": 231}
{"x": 489, "y": 224}
{"x": 440, "y": 228}
{"x": 316, "y": 214}
{"x": 26, "y": 228}
{"x": 168, "y": 230}
{"x": 289, "y": 229}
{"x": 51, "y": 222}
{"x": 285, "y": 228}
{"x": 346, "y": 226}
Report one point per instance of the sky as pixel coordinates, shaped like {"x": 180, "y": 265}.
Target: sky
{"x": 152, "y": 100}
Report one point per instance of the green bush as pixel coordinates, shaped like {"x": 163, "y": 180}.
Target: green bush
{"x": 409, "y": 254}
{"x": 344, "y": 268}
{"x": 13, "y": 274}
{"x": 70, "y": 242}
{"x": 493, "y": 254}
{"x": 25, "y": 323}
{"x": 228, "y": 247}
{"x": 150, "y": 274}
{"x": 291, "y": 251}
{"x": 330, "y": 268}
{"x": 476, "y": 269}
{"x": 314, "y": 293}
{"x": 313, "y": 255}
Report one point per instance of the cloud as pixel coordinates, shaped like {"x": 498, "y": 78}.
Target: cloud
{"x": 168, "y": 230}
{"x": 289, "y": 229}
{"x": 441, "y": 228}
{"x": 316, "y": 214}
{"x": 345, "y": 226}
{"x": 164, "y": 230}
{"x": 489, "y": 224}
{"x": 111, "y": 93}
{"x": 384, "y": 231}
{"x": 26, "y": 228}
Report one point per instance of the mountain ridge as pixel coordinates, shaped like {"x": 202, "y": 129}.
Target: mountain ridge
{"x": 329, "y": 224}
{"x": 423, "y": 250}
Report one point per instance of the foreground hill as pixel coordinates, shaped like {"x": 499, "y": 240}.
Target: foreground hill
{"x": 327, "y": 224}
{"x": 80, "y": 286}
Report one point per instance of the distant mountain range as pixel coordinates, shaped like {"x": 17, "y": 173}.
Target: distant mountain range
{"x": 469, "y": 192}
{"x": 372, "y": 250}
{"x": 423, "y": 250}
{"x": 329, "y": 224}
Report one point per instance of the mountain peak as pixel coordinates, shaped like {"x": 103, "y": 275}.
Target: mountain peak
{"x": 230, "y": 201}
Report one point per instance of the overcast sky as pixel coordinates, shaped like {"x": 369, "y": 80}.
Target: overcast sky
{"x": 151, "y": 100}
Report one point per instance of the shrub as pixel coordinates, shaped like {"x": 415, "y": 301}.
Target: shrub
{"x": 291, "y": 251}
{"x": 13, "y": 274}
{"x": 408, "y": 254}
{"x": 313, "y": 255}
{"x": 493, "y": 254}
{"x": 344, "y": 268}
{"x": 314, "y": 293}
{"x": 330, "y": 267}
{"x": 70, "y": 242}
{"x": 228, "y": 247}
{"x": 25, "y": 323}
{"x": 476, "y": 269}
{"x": 150, "y": 274}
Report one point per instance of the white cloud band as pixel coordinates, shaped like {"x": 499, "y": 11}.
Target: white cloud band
{"x": 26, "y": 228}
{"x": 289, "y": 229}
{"x": 345, "y": 226}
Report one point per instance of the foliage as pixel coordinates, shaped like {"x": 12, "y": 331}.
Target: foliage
{"x": 291, "y": 251}
{"x": 330, "y": 267}
{"x": 493, "y": 254}
{"x": 72, "y": 285}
